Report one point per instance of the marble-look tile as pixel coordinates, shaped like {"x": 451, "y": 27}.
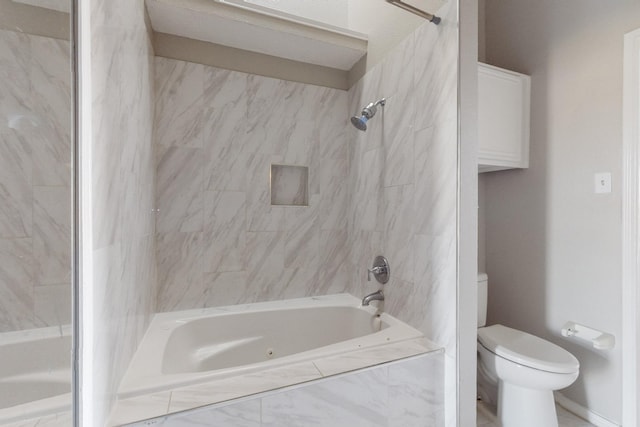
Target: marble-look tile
{"x": 180, "y": 116}
{"x": 435, "y": 69}
{"x": 289, "y": 185}
{"x": 366, "y": 199}
{"x": 333, "y": 204}
{"x": 15, "y": 62}
{"x": 399, "y": 223}
{"x": 302, "y": 238}
{"x": 225, "y": 288}
{"x": 122, "y": 168}
{"x": 330, "y": 154}
{"x": 261, "y": 215}
{"x": 567, "y": 419}
{"x": 298, "y": 282}
{"x": 435, "y": 179}
{"x": 225, "y": 241}
{"x": 180, "y": 190}
{"x": 142, "y": 407}
{"x": 107, "y": 264}
{"x": 364, "y": 247}
{"x": 180, "y": 271}
{"x": 52, "y": 234}
{"x": 16, "y": 284}
{"x": 16, "y": 166}
{"x": 226, "y": 132}
{"x": 51, "y": 97}
{"x": 265, "y": 265}
{"x": 354, "y": 360}
{"x": 140, "y": 280}
{"x": 333, "y": 275}
{"x": 486, "y": 417}
{"x": 242, "y": 385}
{"x": 52, "y": 304}
{"x": 64, "y": 419}
{"x": 450, "y": 389}
{"x": 243, "y": 414}
{"x": 435, "y": 273}
{"x": 399, "y": 113}
{"x": 276, "y": 111}
{"x": 416, "y": 392}
{"x": 25, "y": 423}
{"x": 356, "y": 400}
{"x": 51, "y": 156}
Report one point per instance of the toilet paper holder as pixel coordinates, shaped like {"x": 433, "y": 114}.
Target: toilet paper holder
{"x": 600, "y": 340}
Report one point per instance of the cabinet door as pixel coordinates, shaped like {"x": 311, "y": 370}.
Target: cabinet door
{"x": 503, "y": 119}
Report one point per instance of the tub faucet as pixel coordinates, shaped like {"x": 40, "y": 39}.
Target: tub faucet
{"x": 376, "y": 296}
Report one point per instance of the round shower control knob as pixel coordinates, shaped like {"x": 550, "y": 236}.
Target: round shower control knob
{"x": 381, "y": 270}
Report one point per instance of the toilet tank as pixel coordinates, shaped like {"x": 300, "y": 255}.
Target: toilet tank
{"x": 483, "y": 292}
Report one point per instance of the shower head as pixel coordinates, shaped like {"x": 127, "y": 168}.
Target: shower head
{"x": 360, "y": 122}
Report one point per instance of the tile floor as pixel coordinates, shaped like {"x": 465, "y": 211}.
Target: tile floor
{"x": 487, "y": 418}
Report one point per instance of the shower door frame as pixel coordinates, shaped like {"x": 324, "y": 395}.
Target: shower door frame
{"x": 631, "y": 230}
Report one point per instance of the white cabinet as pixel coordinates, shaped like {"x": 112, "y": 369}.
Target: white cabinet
{"x": 503, "y": 119}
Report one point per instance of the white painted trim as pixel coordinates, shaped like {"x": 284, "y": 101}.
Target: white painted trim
{"x": 467, "y": 207}
{"x": 84, "y": 174}
{"x": 583, "y": 412}
{"x": 630, "y": 223}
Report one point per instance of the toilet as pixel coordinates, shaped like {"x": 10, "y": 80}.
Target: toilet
{"x": 518, "y": 372}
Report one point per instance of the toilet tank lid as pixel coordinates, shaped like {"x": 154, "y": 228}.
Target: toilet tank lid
{"x": 528, "y": 350}
{"x": 482, "y": 277}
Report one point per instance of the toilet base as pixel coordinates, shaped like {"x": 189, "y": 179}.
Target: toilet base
{"x": 525, "y": 407}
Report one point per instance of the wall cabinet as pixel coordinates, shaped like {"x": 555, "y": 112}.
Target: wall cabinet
{"x": 503, "y": 119}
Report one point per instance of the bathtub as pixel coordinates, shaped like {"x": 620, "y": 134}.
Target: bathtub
{"x": 196, "y": 346}
{"x": 35, "y": 373}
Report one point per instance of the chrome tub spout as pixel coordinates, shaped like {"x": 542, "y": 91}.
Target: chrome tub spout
{"x": 376, "y": 296}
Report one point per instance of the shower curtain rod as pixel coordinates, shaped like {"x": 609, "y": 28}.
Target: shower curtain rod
{"x": 429, "y": 17}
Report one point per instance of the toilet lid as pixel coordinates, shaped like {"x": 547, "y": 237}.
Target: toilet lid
{"x": 528, "y": 350}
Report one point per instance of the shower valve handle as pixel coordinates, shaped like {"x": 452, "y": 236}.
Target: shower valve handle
{"x": 375, "y": 271}
{"x": 381, "y": 270}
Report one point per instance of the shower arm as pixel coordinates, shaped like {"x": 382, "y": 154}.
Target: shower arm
{"x": 428, "y": 16}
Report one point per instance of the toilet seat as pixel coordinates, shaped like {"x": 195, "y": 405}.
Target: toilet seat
{"x": 526, "y": 349}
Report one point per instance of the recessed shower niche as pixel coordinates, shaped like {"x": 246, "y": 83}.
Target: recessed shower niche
{"x": 289, "y": 185}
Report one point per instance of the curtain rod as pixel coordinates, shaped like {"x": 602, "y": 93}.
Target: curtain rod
{"x": 429, "y": 17}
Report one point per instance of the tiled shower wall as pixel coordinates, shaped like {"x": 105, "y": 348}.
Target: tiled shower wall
{"x": 403, "y": 177}
{"x": 122, "y": 176}
{"x": 219, "y": 240}
{"x": 35, "y": 181}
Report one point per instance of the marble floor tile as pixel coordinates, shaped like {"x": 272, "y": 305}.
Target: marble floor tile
{"x": 486, "y": 417}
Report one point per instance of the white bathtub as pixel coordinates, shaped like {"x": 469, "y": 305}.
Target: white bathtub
{"x": 189, "y": 347}
{"x": 35, "y": 373}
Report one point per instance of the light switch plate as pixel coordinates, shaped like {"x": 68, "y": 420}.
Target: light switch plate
{"x": 603, "y": 183}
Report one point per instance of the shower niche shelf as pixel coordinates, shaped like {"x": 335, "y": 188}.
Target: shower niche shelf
{"x": 289, "y": 185}
{"x": 247, "y": 26}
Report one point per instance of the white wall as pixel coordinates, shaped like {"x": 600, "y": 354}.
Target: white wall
{"x": 553, "y": 246}
{"x": 385, "y": 24}
{"x": 333, "y": 12}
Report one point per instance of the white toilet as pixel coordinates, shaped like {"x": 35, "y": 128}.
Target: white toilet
{"x": 521, "y": 369}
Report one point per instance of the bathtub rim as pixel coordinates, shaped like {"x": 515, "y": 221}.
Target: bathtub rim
{"x": 163, "y": 324}
{"x": 41, "y": 407}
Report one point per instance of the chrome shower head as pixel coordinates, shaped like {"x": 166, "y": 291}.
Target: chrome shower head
{"x": 360, "y": 122}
